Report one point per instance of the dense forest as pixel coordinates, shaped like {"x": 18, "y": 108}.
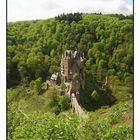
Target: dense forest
{"x": 34, "y": 52}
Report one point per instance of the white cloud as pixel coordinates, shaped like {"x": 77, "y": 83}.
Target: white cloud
{"x": 42, "y": 9}
{"x": 50, "y": 5}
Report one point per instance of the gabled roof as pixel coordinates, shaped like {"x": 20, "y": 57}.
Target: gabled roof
{"x": 54, "y": 76}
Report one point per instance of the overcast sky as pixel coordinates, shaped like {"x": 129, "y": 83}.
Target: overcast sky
{"x": 43, "y": 9}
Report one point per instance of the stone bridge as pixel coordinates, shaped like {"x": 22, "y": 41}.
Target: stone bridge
{"x": 75, "y": 105}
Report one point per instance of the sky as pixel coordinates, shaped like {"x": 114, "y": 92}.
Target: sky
{"x": 129, "y": 1}
{"x": 43, "y": 9}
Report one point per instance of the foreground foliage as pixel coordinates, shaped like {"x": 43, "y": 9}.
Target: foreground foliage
{"x": 102, "y": 124}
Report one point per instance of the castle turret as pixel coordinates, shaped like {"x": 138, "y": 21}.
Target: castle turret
{"x": 66, "y": 62}
{"x": 71, "y": 64}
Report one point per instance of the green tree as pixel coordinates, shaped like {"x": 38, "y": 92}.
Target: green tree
{"x": 95, "y": 95}
{"x": 75, "y": 76}
{"x": 36, "y": 85}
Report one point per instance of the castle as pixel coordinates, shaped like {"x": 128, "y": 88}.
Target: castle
{"x": 72, "y": 74}
{"x": 72, "y": 69}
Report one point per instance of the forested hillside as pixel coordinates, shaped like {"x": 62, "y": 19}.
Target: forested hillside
{"x": 35, "y": 47}
{"x": 34, "y": 52}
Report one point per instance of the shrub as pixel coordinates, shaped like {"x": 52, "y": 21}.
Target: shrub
{"x": 57, "y": 103}
{"x": 52, "y": 96}
{"x": 62, "y": 86}
{"x": 64, "y": 102}
{"x": 11, "y": 94}
{"x": 75, "y": 76}
{"x": 95, "y": 95}
{"x": 36, "y": 85}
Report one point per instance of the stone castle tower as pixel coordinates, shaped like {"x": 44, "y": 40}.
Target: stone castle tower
{"x": 72, "y": 69}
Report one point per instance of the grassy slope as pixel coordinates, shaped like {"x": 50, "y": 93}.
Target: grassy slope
{"x": 114, "y": 122}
